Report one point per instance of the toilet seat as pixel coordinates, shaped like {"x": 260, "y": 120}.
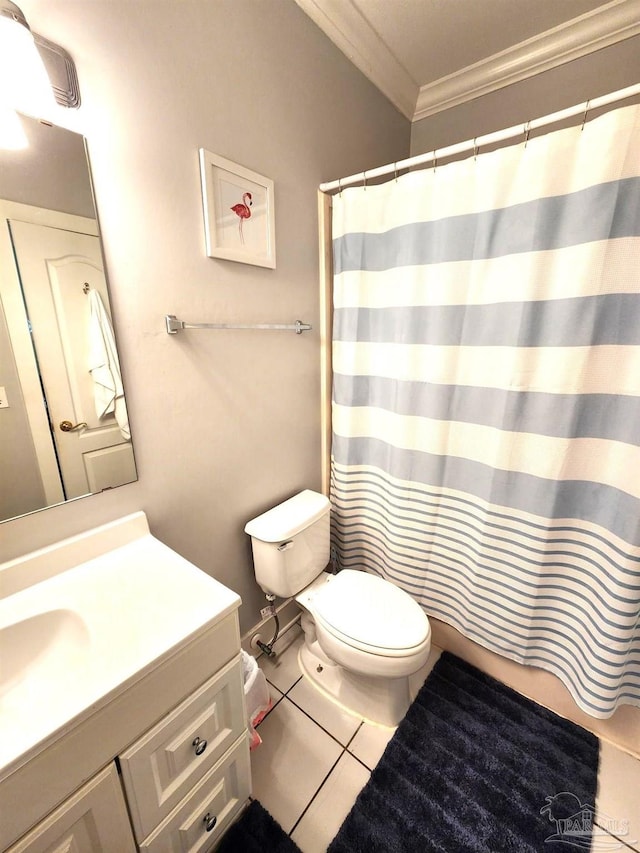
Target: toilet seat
{"x": 372, "y": 615}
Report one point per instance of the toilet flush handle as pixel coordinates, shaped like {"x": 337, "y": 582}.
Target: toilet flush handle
{"x": 285, "y": 546}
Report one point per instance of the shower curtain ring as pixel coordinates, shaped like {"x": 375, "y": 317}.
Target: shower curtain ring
{"x": 475, "y": 148}
{"x": 340, "y": 187}
{"x": 527, "y": 131}
{"x": 435, "y": 159}
{"x": 364, "y": 174}
{"x": 584, "y": 118}
{"x": 395, "y": 171}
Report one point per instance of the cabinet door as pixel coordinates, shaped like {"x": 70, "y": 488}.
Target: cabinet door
{"x": 164, "y": 765}
{"x": 93, "y": 820}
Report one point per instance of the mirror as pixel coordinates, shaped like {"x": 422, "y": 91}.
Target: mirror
{"x": 64, "y": 429}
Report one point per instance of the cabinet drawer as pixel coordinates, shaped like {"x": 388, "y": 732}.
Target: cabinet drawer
{"x": 93, "y": 819}
{"x": 202, "y": 818}
{"x": 163, "y": 766}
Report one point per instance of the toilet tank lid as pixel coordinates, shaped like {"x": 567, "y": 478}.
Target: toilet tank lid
{"x": 289, "y": 518}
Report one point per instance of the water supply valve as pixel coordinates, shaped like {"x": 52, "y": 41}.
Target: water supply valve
{"x": 266, "y": 612}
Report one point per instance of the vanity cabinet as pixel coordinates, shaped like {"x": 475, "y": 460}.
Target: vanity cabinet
{"x": 184, "y": 780}
{"x": 139, "y": 739}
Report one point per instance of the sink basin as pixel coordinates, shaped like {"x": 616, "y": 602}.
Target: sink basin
{"x": 46, "y": 647}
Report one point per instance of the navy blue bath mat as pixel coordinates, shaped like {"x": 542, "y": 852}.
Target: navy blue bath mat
{"x": 476, "y": 767}
{"x": 257, "y": 832}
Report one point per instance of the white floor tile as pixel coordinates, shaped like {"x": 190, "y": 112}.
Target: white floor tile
{"x": 290, "y": 765}
{"x": 619, "y": 794}
{"x": 370, "y": 742}
{"x": 326, "y": 713}
{"x": 283, "y": 670}
{"x": 331, "y": 805}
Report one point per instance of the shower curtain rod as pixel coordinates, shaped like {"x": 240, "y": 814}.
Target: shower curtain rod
{"x": 487, "y": 139}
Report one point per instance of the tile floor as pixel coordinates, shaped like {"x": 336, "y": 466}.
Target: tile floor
{"x": 315, "y": 758}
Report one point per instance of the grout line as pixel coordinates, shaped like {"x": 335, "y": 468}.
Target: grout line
{"x": 293, "y": 685}
{"x": 307, "y": 807}
{"x": 320, "y": 726}
{"x": 617, "y": 838}
{"x": 313, "y": 720}
{"x": 283, "y": 692}
{"x": 360, "y": 761}
{"x": 354, "y": 734}
{"x": 352, "y": 754}
{"x": 326, "y": 731}
{"x": 272, "y": 708}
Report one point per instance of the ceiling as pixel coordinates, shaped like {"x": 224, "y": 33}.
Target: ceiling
{"x": 429, "y": 55}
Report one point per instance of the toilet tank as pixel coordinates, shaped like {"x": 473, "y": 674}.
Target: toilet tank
{"x": 291, "y": 543}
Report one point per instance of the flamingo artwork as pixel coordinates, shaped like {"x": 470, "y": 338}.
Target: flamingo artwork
{"x": 243, "y": 211}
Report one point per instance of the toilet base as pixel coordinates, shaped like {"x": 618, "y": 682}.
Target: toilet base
{"x": 383, "y": 701}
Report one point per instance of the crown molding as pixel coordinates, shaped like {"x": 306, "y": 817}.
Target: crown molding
{"x": 592, "y": 31}
{"x": 342, "y": 22}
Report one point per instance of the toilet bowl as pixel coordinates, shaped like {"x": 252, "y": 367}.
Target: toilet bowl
{"x": 368, "y": 625}
{"x": 364, "y": 636}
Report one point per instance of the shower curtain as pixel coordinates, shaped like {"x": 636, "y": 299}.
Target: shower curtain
{"x": 486, "y": 399}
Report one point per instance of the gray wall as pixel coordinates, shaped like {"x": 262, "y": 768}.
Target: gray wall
{"x": 601, "y": 72}
{"x": 224, "y": 424}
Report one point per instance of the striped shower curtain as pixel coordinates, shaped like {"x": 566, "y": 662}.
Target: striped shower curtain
{"x": 486, "y": 401}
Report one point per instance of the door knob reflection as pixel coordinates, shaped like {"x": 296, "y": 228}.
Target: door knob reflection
{"x": 67, "y": 426}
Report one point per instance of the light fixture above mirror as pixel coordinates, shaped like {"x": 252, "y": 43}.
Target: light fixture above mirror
{"x": 35, "y": 73}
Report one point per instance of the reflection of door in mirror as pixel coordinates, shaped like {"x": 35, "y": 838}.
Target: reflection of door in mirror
{"x": 49, "y": 247}
{"x": 46, "y": 300}
{"x": 58, "y": 268}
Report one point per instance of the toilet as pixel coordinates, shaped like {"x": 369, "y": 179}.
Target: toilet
{"x": 364, "y": 636}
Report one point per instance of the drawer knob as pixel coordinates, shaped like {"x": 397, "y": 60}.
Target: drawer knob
{"x": 200, "y": 745}
{"x": 209, "y": 821}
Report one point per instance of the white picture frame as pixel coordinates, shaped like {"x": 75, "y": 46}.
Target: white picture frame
{"x": 239, "y": 212}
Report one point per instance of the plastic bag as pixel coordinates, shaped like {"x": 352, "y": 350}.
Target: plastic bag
{"x": 256, "y": 695}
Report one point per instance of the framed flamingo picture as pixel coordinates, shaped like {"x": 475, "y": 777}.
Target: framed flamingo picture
{"x": 239, "y": 215}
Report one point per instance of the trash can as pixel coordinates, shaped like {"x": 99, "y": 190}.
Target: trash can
{"x": 256, "y": 696}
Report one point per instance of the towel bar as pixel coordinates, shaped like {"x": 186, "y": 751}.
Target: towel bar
{"x": 174, "y": 325}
